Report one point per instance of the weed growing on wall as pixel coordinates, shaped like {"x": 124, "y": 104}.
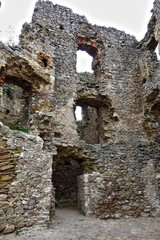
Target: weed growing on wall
{"x": 19, "y": 128}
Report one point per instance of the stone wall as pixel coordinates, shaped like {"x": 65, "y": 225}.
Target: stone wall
{"x": 26, "y": 190}
{"x": 117, "y": 143}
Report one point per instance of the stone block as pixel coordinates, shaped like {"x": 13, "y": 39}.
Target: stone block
{"x": 2, "y": 143}
{"x": 5, "y": 178}
{"x": 5, "y": 155}
{"x": 21, "y": 224}
{"x": 4, "y": 204}
{"x": 30, "y": 222}
{"x": 7, "y": 167}
{"x": 9, "y": 229}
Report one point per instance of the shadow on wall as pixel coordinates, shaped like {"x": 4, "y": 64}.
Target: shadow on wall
{"x": 15, "y": 102}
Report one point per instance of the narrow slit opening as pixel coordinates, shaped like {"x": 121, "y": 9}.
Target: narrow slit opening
{"x": 78, "y": 113}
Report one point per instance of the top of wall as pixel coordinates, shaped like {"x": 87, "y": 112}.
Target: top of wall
{"x": 49, "y": 16}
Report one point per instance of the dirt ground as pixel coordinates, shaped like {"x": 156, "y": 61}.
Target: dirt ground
{"x": 69, "y": 224}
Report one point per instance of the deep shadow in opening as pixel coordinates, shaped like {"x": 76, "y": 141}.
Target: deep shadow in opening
{"x": 45, "y": 61}
{"x": 156, "y": 111}
{"x": 65, "y": 173}
{"x": 16, "y": 102}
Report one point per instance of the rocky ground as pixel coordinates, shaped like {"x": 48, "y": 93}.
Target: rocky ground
{"x": 71, "y": 225}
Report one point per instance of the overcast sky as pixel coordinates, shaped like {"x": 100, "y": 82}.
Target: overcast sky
{"x": 132, "y": 16}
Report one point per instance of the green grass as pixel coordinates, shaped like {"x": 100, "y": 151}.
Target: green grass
{"x": 19, "y": 128}
{"x": 17, "y": 232}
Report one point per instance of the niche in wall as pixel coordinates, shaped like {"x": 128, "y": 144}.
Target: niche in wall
{"x": 15, "y": 101}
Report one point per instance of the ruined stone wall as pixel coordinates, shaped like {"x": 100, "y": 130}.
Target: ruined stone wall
{"x": 26, "y": 190}
{"x": 117, "y": 142}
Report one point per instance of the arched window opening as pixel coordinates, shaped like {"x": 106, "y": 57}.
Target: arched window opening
{"x": 45, "y": 61}
{"x": 84, "y": 62}
{"x": 92, "y": 51}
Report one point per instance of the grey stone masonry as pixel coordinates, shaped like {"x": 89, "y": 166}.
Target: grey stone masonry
{"x": 108, "y": 163}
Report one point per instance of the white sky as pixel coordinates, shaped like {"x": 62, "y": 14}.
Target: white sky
{"x": 132, "y": 16}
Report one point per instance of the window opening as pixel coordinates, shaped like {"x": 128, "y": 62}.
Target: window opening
{"x": 84, "y": 62}
{"x": 87, "y": 123}
{"x": 97, "y": 120}
{"x": 78, "y": 113}
{"x": 157, "y": 52}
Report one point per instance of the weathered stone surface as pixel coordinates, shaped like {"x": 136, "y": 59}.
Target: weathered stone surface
{"x": 2, "y": 227}
{"x": 9, "y": 229}
{"x": 30, "y": 223}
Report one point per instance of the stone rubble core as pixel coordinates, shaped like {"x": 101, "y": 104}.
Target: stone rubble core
{"x": 109, "y": 162}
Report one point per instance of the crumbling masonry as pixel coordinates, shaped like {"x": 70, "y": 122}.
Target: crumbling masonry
{"x": 109, "y": 162}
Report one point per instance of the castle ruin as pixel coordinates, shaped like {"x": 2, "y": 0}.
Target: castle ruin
{"x": 109, "y": 162}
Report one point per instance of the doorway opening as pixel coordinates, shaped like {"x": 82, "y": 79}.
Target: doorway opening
{"x": 64, "y": 178}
